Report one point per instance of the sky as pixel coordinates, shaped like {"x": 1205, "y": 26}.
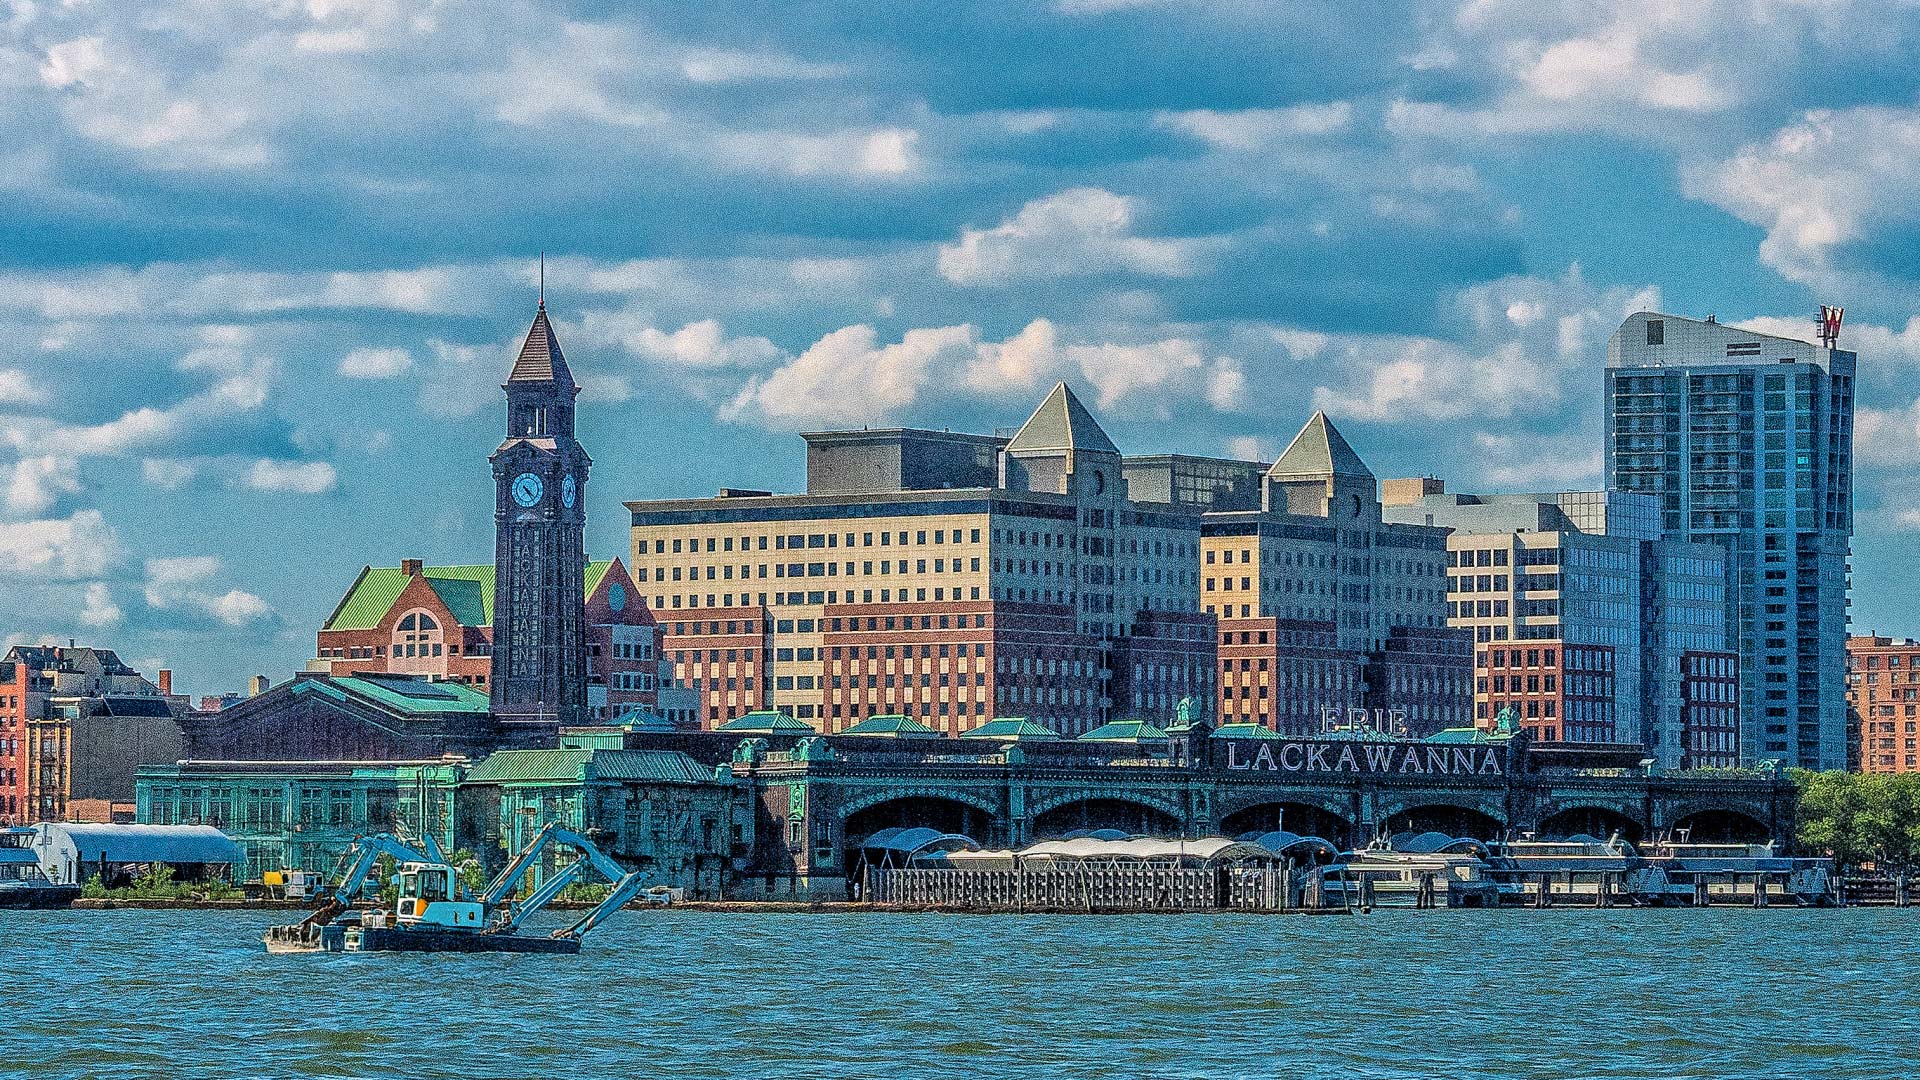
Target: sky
{"x": 263, "y": 263}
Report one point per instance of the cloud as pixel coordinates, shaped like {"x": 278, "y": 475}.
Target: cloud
{"x": 460, "y": 380}
{"x": 375, "y": 363}
{"x": 168, "y": 474}
{"x": 736, "y": 65}
{"x": 299, "y": 477}
{"x": 1084, "y": 230}
{"x": 1522, "y": 342}
{"x": 1528, "y": 461}
{"x": 38, "y": 482}
{"x": 702, "y": 344}
{"x": 100, "y": 611}
{"x": 19, "y": 388}
{"x": 1256, "y": 129}
{"x": 81, "y": 545}
{"x": 849, "y": 377}
{"x": 182, "y": 584}
{"x": 1835, "y": 178}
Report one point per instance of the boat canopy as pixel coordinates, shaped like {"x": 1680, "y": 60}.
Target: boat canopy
{"x": 1434, "y": 843}
{"x": 1290, "y": 845}
{"x": 908, "y": 842}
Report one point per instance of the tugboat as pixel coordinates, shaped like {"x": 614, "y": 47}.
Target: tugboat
{"x": 434, "y": 913}
{"x": 23, "y": 884}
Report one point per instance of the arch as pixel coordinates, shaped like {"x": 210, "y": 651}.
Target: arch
{"x": 1593, "y": 819}
{"x": 1459, "y": 819}
{"x": 940, "y": 812}
{"x": 987, "y": 806}
{"x": 1306, "y": 819}
{"x": 1129, "y": 815}
{"x": 1037, "y": 807}
{"x": 418, "y": 645}
{"x": 1722, "y": 825}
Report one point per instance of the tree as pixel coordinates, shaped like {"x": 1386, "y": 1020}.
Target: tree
{"x": 1860, "y": 818}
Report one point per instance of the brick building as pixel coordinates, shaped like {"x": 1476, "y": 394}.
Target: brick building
{"x": 75, "y": 723}
{"x": 1584, "y": 620}
{"x": 944, "y": 576}
{"x": 437, "y": 622}
{"x": 1324, "y": 607}
{"x": 1883, "y": 703}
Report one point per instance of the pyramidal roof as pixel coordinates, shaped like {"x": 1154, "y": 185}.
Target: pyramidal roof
{"x": 540, "y": 359}
{"x": 1061, "y": 423}
{"x": 1320, "y": 450}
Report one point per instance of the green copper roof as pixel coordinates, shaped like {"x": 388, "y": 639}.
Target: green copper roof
{"x": 1011, "y": 727}
{"x": 1467, "y": 735}
{"x": 560, "y": 766}
{"x": 1124, "y": 731}
{"x": 767, "y": 722}
{"x": 466, "y": 590}
{"x": 1061, "y": 423}
{"x": 402, "y": 693}
{"x": 1319, "y": 450}
{"x": 895, "y": 726}
{"x": 1245, "y": 731}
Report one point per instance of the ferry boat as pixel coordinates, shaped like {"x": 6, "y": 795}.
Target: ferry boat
{"x": 1709, "y": 873}
{"x": 1581, "y": 869}
{"x": 22, "y": 883}
{"x": 1413, "y": 870}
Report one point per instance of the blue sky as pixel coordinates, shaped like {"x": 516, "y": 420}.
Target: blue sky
{"x": 262, "y": 263}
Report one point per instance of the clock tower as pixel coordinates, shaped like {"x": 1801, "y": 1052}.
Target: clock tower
{"x": 539, "y": 518}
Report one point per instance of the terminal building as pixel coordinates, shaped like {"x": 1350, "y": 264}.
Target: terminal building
{"x": 954, "y": 578}
{"x": 1746, "y": 441}
{"x": 1585, "y": 623}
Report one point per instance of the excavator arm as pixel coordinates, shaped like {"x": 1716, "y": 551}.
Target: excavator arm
{"x": 356, "y": 865}
{"x": 625, "y": 884}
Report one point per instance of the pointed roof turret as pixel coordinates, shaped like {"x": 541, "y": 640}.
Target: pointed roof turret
{"x": 540, "y": 358}
{"x": 1061, "y": 423}
{"x": 1319, "y": 450}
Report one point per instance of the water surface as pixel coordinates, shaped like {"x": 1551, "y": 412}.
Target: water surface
{"x": 1668, "y": 993}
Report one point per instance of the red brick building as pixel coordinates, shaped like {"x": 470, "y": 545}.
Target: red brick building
{"x": 1710, "y": 709}
{"x": 437, "y": 621}
{"x": 1558, "y": 692}
{"x": 13, "y": 741}
{"x": 1883, "y": 702}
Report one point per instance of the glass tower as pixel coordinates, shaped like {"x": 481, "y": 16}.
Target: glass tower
{"x": 1747, "y": 441}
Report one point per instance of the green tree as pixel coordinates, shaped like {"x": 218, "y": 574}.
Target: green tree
{"x": 1861, "y": 819}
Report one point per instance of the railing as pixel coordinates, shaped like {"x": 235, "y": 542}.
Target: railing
{"x": 1087, "y": 888}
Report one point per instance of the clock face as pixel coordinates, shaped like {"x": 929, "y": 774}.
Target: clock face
{"x": 527, "y": 489}
{"x": 617, "y": 597}
{"x": 568, "y": 490}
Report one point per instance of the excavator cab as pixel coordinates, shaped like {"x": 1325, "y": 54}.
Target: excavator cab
{"x": 430, "y": 896}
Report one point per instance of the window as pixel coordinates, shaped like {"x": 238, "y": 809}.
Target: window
{"x": 1656, "y": 331}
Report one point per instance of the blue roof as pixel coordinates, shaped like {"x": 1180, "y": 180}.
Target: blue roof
{"x": 175, "y": 844}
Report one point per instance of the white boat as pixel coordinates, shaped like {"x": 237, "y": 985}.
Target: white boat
{"x": 1413, "y": 870}
{"x": 1581, "y": 869}
{"x": 1725, "y": 872}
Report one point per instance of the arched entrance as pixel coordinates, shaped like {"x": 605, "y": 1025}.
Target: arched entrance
{"x": 1596, "y": 821}
{"x": 1457, "y": 821}
{"x": 1088, "y": 814}
{"x": 1301, "y": 818}
{"x": 1721, "y": 827}
{"x": 919, "y": 811}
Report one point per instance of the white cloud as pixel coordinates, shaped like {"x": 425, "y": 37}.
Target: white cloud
{"x": 702, "y": 344}
{"x": 100, "y": 611}
{"x": 460, "y": 380}
{"x": 847, "y": 377}
{"x": 38, "y": 482}
{"x": 1832, "y": 179}
{"x": 1531, "y": 462}
{"x": 1083, "y": 230}
{"x": 300, "y": 477}
{"x": 375, "y": 363}
{"x": 168, "y": 474}
{"x": 19, "y": 388}
{"x": 81, "y": 545}
{"x": 182, "y": 583}
{"x": 1256, "y": 129}
{"x": 735, "y": 65}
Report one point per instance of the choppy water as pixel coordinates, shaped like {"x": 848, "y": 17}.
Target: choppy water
{"x": 1674, "y": 993}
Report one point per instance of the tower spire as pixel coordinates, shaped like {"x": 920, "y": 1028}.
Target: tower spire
{"x": 543, "y": 280}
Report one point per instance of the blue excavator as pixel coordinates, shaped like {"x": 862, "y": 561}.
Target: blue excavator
{"x": 434, "y": 912}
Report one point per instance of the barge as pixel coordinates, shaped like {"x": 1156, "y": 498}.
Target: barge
{"x": 434, "y": 912}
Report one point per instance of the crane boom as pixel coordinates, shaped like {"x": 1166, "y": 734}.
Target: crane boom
{"x": 625, "y": 884}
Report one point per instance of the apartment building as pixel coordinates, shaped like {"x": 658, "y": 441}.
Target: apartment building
{"x": 1883, "y": 703}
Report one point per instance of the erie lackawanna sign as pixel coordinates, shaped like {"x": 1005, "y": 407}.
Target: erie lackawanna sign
{"x": 1352, "y": 757}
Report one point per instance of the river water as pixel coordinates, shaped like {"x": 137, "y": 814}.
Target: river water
{"x": 1664, "y": 993}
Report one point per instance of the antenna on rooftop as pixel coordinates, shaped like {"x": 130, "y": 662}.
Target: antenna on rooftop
{"x": 543, "y": 280}
{"x": 1829, "y": 323}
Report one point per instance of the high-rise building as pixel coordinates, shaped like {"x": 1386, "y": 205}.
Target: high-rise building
{"x": 1883, "y": 703}
{"x": 947, "y": 577}
{"x": 1586, "y": 624}
{"x": 1746, "y": 440}
{"x": 540, "y": 509}
{"x": 1324, "y": 607}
